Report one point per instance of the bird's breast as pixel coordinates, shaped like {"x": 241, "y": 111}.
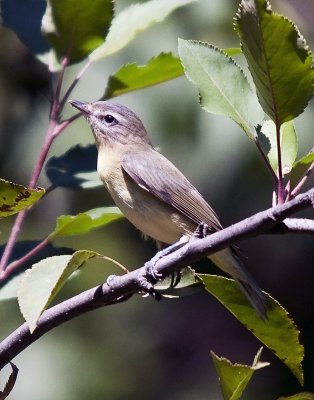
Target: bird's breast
{"x": 148, "y": 213}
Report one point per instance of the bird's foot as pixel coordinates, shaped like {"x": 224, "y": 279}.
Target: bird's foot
{"x": 147, "y": 287}
{"x": 201, "y": 231}
{"x": 150, "y": 266}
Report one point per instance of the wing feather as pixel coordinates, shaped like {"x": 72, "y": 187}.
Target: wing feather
{"x": 156, "y": 174}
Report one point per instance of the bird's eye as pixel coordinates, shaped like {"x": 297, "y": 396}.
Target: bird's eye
{"x": 109, "y": 119}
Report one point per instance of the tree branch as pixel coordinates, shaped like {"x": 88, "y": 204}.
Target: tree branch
{"x": 121, "y": 288}
{"x": 296, "y": 225}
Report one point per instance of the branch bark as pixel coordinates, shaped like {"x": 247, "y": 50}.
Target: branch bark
{"x": 120, "y": 288}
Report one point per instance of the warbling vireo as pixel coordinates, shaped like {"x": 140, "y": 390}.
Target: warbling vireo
{"x": 151, "y": 192}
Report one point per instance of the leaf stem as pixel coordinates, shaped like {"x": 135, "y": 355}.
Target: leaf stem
{"x": 280, "y": 185}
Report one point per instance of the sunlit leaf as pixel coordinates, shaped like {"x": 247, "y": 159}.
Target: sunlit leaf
{"x": 14, "y": 198}
{"x": 278, "y": 58}
{"x": 222, "y": 85}
{"x": 77, "y": 168}
{"x": 278, "y": 332}
{"x": 133, "y": 20}
{"x": 75, "y": 28}
{"x": 132, "y": 77}
{"x": 85, "y": 221}
{"x": 234, "y": 378}
{"x": 288, "y": 144}
{"x": 44, "y": 280}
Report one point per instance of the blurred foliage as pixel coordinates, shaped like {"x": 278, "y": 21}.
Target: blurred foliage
{"x": 145, "y": 349}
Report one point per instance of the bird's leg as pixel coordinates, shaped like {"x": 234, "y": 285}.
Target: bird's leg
{"x": 150, "y": 266}
{"x": 200, "y": 232}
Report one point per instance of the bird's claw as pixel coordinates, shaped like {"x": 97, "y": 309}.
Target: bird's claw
{"x": 201, "y": 231}
{"x": 150, "y": 268}
{"x": 146, "y": 286}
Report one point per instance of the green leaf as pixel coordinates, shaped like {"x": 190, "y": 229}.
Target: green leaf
{"x": 75, "y": 28}
{"x": 132, "y": 21}
{"x": 235, "y": 377}
{"x": 132, "y": 77}
{"x": 44, "y": 280}
{"x": 77, "y": 168}
{"x": 279, "y": 332}
{"x": 232, "y": 51}
{"x": 299, "y": 396}
{"x": 278, "y": 58}
{"x": 86, "y": 221}
{"x": 222, "y": 85}
{"x": 289, "y": 144}
{"x": 14, "y": 198}
{"x": 300, "y": 168}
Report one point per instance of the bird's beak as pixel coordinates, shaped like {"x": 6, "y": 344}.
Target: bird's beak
{"x": 83, "y": 107}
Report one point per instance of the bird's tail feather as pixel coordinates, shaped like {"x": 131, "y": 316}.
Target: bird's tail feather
{"x": 256, "y": 297}
{"x": 229, "y": 262}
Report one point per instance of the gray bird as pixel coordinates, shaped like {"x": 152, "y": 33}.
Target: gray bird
{"x": 151, "y": 192}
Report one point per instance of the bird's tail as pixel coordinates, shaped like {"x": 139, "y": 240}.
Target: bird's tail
{"x": 255, "y": 296}
{"x": 229, "y": 262}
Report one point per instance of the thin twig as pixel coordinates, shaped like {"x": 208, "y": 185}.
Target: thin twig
{"x": 32, "y": 183}
{"x": 55, "y": 107}
{"x": 53, "y": 130}
{"x": 299, "y": 186}
{"x": 74, "y": 83}
{"x": 122, "y": 287}
{"x": 17, "y": 263}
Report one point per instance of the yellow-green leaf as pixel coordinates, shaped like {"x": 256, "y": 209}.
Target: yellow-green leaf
{"x": 86, "y": 221}
{"x": 278, "y": 332}
{"x": 132, "y": 77}
{"x": 44, "y": 280}
{"x": 234, "y": 378}
{"x": 14, "y": 198}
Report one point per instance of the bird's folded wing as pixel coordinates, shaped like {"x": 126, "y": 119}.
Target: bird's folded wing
{"x": 156, "y": 174}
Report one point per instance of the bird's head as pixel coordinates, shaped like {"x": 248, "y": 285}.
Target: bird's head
{"x": 112, "y": 123}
